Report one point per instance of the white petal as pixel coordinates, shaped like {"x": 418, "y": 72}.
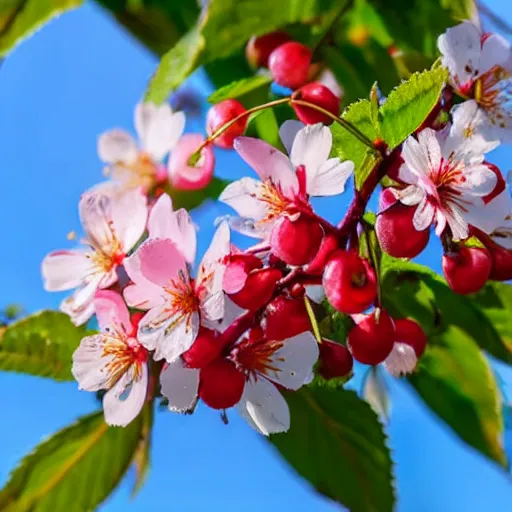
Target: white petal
{"x": 424, "y": 215}
{"x": 455, "y": 220}
{"x": 411, "y": 195}
{"x": 123, "y": 403}
{"x": 143, "y": 116}
{"x": 461, "y": 49}
{"x": 415, "y": 157}
{"x": 64, "y": 270}
{"x": 288, "y": 131}
{"x": 480, "y": 180}
{"x": 264, "y": 408}
{"x": 231, "y": 313}
{"x": 331, "y": 178}
{"x": 117, "y": 146}
{"x": 242, "y": 195}
{"x": 328, "y": 79}
{"x": 164, "y": 132}
{"x": 430, "y": 145}
{"x": 401, "y": 361}
{"x": 180, "y": 386}
{"x": 80, "y": 314}
{"x": 496, "y": 51}
{"x": 492, "y": 216}
{"x": 294, "y": 361}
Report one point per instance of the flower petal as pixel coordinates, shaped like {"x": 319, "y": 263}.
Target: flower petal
{"x": 424, "y": 215}
{"x": 117, "y": 146}
{"x": 269, "y": 163}
{"x": 411, "y": 195}
{"x": 479, "y": 180}
{"x": 180, "y": 386}
{"x": 161, "y": 261}
{"x": 294, "y": 361}
{"x": 331, "y": 178}
{"x": 164, "y": 131}
{"x": 111, "y": 311}
{"x": 143, "y": 116}
{"x": 79, "y": 314}
{"x": 496, "y": 51}
{"x": 123, "y": 403}
{"x": 430, "y": 145}
{"x": 455, "y": 220}
{"x": 288, "y": 131}
{"x": 264, "y": 408}
{"x": 64, "y": 270}
{"x": 415, "y": 157}
{"x": 242, "y": 195}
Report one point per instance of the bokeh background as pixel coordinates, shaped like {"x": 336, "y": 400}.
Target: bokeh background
{"x": 80, "y": 75}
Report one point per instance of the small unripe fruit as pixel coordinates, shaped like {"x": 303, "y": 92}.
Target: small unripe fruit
{"x": 371, "y": 340}
{"x": 207, "y": 347}
{"x": 286, "y": 318}
{"x": 221, "y": 384}
{"x": 408, "y": 331}
{"x": 335, "y": 360}
{"x": 467, "y": 270}
{"x": 296, "y": 242}
{"x": 320, "y": 95}
{"x": 219, "y": 115}
{"x": 259, "y": 48}
{"x": 258, "y": 289}
{"x": 316, "y": 266}
{"x": 349, "y": 282}
{"x": 396, "y": 232}
{"x": 289, "y": 64}
{"x": 237, "y": 270}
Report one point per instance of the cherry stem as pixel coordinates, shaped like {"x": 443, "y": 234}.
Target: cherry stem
{"x": 256, "y": 249}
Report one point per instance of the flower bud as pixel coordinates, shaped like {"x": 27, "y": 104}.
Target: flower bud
{"x": 258, "y": 289}
{"x": 289, "y": 64}
{"x": 221, "y": 384}
{"x": 184, "y": 175}
{"x": 349, "y": 282}
{"x": 335, "y": 360}
{"x": 329, "y": 244}
{"x": 259, "y": 48}
{"x": 206, "y": 347}
{"x": 467, "y": 270}
{"x": 286, "y": 318}
{"x": 317, "y": 94}
{"x": 219, "y": 115}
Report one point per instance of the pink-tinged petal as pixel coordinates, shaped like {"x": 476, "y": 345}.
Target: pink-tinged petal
{"x": 129, "y": 213}
{"x": 123, "y": 403}
{"x": 328, "y": 79}
{"x": 169, "y": 335}
{"x": 428, "y": 141}
{"x": 184, "y": 176}
{"x": 331, "y": 178}
{"x": 269, "y": 163}
{"x": 64, "y": 270}
{"x": 90, "y": 363}
{"x": 95, "y": 214}
{"x": 496, "y": 51}
{"x": 491, "y": 216}
{"x": 440, "y": 221}
{"x": 411, "y": 195}
{"x": 294, "y": 361}
{"x": 79, "y": 314}
{"x": 455, "y": 220}
{"x": 177, "y": 226}
{"x": 407, "y": 176}
{"x": 212, "y": 307}
{"x": 180, "y": 386}
{"x": 86, "y": 293}
{"x": 461, "y": 48}
{"x": 288, "y": 131}
{"x": 414, "y": 157}
{"x": 143, "y": 116}
{"x": 311, "y": 149}
{"x": 479, "y": 180}
{"x": 117, "y": 146}
{"x": 111, "y": 311}
{"x": 264, "y": 408}
{"x": 161, "y": 261}
{"x": 242, "y": 195}
{"x": 164, "y": 132}
{"x": 424, "y": 215}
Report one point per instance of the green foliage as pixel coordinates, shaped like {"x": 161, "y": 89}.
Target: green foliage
{"x": 40, "y": 344}
{"x": 141, "y": 457}
{"x": 21, "y": 18}
{"x": 456, "y": 381}
{"x": 75, "y": 469}
{"x": 336, "y": 442}
{"x": 409, "y": 105}
{"x": 240, "y": 88}
{"x": 191, "y": 199}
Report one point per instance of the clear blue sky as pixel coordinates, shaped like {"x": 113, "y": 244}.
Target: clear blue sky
{"x": 77, "y": 77}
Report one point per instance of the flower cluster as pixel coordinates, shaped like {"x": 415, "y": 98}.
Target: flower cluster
{"x": 237, "y": 329}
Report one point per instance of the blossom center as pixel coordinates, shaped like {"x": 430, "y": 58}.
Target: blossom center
{"x": 276, "y": 202}
{"x": 257, "y": 356}
{"x": 493, "y": 92}
{"x": 181, "y": 296}
{"x": 123, "y": 353}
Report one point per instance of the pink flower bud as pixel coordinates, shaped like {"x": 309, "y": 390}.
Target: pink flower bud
{"x": 182, "y": 174}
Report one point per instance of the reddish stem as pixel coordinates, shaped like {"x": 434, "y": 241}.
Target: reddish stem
{"x": 238, "y": 327}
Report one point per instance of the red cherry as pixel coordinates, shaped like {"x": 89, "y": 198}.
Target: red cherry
{"x": 289, "y": 64}
{"x": 501, "y": 263}
{"x": 221, "y": 384}
{"x": 316, "y": 266}
{"x": 468, "y": 269}
{"x": 237, "y": 270}
{"x": 396, "y": 232}
{"x": 286, "y": 318}
{"x": 371, "y": 341}
{"x": 500, "y": 183}
{"x": 207, "y": 347}
{"x": 409, "y": 332}
{"x": 219, "y": 115}
{"x": 335, "y": 360}
{"x": 258, "y": 289}
{"x": 259, "y": 48}
{"x": 349, "y": 282}
{"x": 320, "y": 95}
{"x": 296, "y": 242}
{"x": 392, "y": 164}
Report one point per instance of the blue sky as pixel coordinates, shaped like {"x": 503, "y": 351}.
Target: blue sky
{"x": 77, "y": 77}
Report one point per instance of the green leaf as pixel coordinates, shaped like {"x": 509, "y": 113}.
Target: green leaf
{"x": 75, "y": 469}
{"x": 461, "y": 9}
{"x": 190, "y": 199}
{"x": 456, "y": 381}
{"x": 240, "y": 88}
{"x": 336, "y": 443}
{"x": 41, "y": 344}
{"x": 410, "y": 104}
{"x": 347, "y": 147}
{"x": 20, "y": 19}
{"x": 267, "y": 129}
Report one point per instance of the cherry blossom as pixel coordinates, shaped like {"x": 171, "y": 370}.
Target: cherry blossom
{"x": 140, "y": 165}
{"x": 480, "y": 66}
{"x": 177, "y": 303}
{"x": 285, "y": 182}
{"x": 264, "y": 363}
{"x": 113, "y": 224}
{"x": 447, "y": 178}
{"x": 113, "y": 360}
